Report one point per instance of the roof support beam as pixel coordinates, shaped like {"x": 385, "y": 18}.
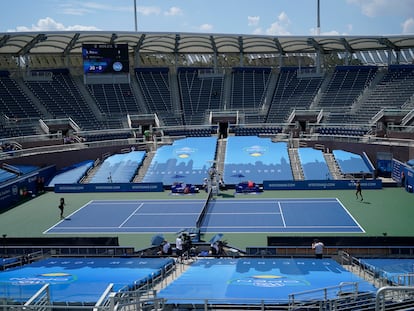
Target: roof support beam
{"x": 71, "y": 44}
{"x": 113, "y": 38}
{"x": 4, "y": 40}
{"x": 348, "y": 50}
{"x": 391, "y": 46}
{"x": 137, "y": 49}
{"x": 319, "y": 50}
{"x": 347, "y": 46}
{"x": 241, "y": 50}
{"x": 280, "y": 49}
{"x": 39, "y": 38}
{"x": 214, "y": 48}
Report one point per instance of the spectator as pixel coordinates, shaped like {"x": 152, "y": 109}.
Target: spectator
{"x": 179, "y": 248}
{"x": 166, "y": 248}
{"x": 318, "y": 247}
{"x": 215, "y": 249}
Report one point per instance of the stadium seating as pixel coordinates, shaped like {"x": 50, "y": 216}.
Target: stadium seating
{"x": 119, "y": 168}
{"x": 155, "y": 87}
{"x": 392, "y": 92}
{"x": 291, "y": 92}
{"x": 198, "y": 94}
{"x": 6, "y": 175}
{"x": 63, "y": 99}
{"x": 314, "y": 164}
{"x": 71, "y": 175}
{"x": 114, "y": 99}
{"x": 350, "y": 163}
{"x": 186, "y": 160}
{"x": 345, "y": 85}
{"x": 256, "y": 159}
{"x": 249, "y": 86}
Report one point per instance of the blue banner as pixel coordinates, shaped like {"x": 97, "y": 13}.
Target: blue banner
{"x": 319, "y": 184}
{"x": 109, "y": 187}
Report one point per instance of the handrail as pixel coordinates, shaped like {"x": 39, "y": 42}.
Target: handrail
{"x": 104, "y": 297}
{"x": 40, "y": 294}
{"x": 382, "y": 292}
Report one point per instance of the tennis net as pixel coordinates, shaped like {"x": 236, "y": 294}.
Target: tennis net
{"x": 204, "y": 210}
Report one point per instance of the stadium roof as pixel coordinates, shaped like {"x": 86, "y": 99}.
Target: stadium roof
{"x": 70, "y": 42}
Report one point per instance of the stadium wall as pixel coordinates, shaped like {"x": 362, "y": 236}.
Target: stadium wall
{"x": 23, "y": 188}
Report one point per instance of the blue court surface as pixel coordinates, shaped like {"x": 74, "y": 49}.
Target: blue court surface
{"x": 239, "y": 281}
{"x": 397, "y": 270}
{"x": 279, "y": 215}
{"x": 78, "y": 279}
{"x": 326, "y": 215}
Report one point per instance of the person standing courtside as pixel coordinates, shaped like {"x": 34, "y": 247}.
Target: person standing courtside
{"x": 179, "y": 248}
{"x": 318, "y": 246}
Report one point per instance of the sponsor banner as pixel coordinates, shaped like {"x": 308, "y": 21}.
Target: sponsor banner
{"x": 319, "y": 184}
{"x": 109, "y": 187}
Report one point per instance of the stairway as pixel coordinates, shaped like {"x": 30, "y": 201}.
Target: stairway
{"x": 295, "y": 164}
{"x": 333, "y": 166}
{"x": 144, "y": 167}
{"x": 221, "y": 151}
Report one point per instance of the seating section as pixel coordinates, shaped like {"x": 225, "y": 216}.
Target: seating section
{"x": 114, "y": 99}
{"x": 101, "y": 136}
{"x": 342, "y": 131}
{"x": 20, "y": 114}
{"x": 393, "y": 91}
{"x": 248, "y": 87}
{"x": 155, "y": 87}
{"x": 345, "y": 85}
{"x": 19, "y": 128}
{"x": 186, "y": 160}
{"x": 119, "y": 168}
{"x": 6, "y": 175}
{"x": 255, "y": 159}
{"x": 199, "y": 94}
{"x": 62, "y": 99}
{"x": 314, "y": 165}
{"x": 14, "y": 103}
{"x": 72, "y": 174}
{"x": 201, "y": 132}
{"x": 350, "y": 163}
{"x": 256, "y": 131}
{"x": 291, "y": 92}
{"x": 397, "y": 271}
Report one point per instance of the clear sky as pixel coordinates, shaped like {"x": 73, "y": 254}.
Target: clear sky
{"x": 264, "y": 17}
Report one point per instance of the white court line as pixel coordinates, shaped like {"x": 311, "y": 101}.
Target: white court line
{"x": 132, "y": 214}
{"x": 69, "y": 216}
{"x": 281, "y": 214}
{"x": 294, "y": 227}
{"x": 350, "y": 215}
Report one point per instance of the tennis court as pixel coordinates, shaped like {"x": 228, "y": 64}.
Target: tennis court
{"x": 326, "y": 215}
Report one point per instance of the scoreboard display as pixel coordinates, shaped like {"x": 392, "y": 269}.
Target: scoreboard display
{"x": 105, "y": 58}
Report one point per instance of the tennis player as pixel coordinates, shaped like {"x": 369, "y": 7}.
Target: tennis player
{"x": 358, "y": 190}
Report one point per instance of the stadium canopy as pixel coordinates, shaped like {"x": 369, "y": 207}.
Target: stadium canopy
{"x": 70, "y": 43}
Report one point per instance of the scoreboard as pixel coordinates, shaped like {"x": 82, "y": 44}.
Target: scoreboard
{"x": 105, "y": 58}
